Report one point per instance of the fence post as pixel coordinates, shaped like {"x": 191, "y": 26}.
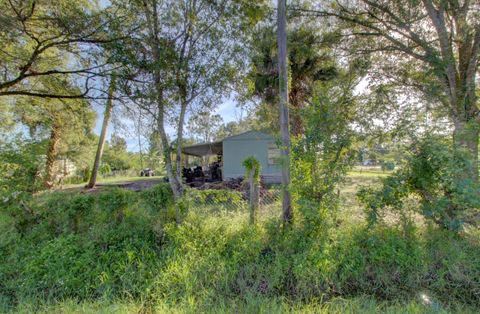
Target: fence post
{"x": 254, "y": 195}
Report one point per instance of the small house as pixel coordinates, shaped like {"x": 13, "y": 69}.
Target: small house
{"x": 233, "y": 150}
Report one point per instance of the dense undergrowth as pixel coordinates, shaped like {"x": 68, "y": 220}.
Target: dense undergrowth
{"x": 121, "y": 247}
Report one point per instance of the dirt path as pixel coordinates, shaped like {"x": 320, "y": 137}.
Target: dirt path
{"x": 138, "y": 185}
{"x": 133, "y": 185}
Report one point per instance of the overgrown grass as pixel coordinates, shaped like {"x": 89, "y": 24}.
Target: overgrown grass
{"x": 120, "y": 251}
{"x": 250, "y": 305}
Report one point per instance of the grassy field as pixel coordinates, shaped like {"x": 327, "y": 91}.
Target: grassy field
{"x": 116, "y": 252}
{"x": 264, "y": 305}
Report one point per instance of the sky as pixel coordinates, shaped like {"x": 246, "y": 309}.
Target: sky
{"x": 227, "y": 110}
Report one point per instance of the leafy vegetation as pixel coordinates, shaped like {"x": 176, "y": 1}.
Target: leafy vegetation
{"x": 374, "y": 111}
{"x": 70, "y": 248}
{"x": 252, "y": 164}
{"x": 433, "y": 173}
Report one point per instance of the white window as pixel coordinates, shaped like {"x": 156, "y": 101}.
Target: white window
{"x": 273, "y": 154}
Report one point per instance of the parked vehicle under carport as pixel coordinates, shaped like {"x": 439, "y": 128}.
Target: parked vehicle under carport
{"x": 147, "y": 172}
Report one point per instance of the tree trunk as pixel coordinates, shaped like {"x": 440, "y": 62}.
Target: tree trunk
{"x": 283, "y": 100}
{"x": 153, "y": 21}
{"x": 51, "y": 156}
{"x": 155, "y": 45}
{"x": 175, "y": 184}
{"x": 181, "y": 121}
{"x": 167, "y": 150}
{"x": 103, "y": 134}
{"x": 140, "y": 140}
{"x": 296, "y": 122}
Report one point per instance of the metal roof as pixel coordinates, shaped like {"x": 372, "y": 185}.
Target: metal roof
{"x": 215, "y": 148}
{"x": 203, "y": 149}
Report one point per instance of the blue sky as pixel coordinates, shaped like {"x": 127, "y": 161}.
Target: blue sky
{"x": 227, "y": 110}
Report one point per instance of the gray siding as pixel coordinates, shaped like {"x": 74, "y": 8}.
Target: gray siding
{"x": 239, "y": 147}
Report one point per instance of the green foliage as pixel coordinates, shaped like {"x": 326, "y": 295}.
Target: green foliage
{"x": 63, "y": 267}
{"x": 388, "y": 166}
{"x": 204, "y": 126}
{"x": 85, "y": 174}
{"x": 433, "y": 173}
{"x": 216, "y": 196}
{"x": 251, "y": 163}
{"x": 117, "y": 202}
{"x": 159, "y": 200}
{"x": 73, "y": 248}
{"x": 116, "y": 155}
{"x": 158, "y": 197}
{"x": 75, "y": 179}
{"x": 322, "y": 157}
{"x": 105, "y": 169}
{"x": 19, "y": 170}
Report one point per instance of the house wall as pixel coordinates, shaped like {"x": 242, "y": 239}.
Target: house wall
{"x": 237, "y": 148}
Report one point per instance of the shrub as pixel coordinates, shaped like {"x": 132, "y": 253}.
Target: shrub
{"x": 73, "y": 250}
{"x": 75, "y": 179}
{"x": 105, "y": 169}
{"x": 116, "y": 202}
{"x": 55, "y": 213}
{"x": 158, "y": 197}
{"x": 62, "y": 267}
{"x": 452, "y": 266}
{"x": 19, "y": 171}
{"x": 219, "y": 258}
{"x": 250, "y": 163}
{"x": 433, "y": 174}
{"x": 388, "y": 166}
{"x": 79, "y": 206}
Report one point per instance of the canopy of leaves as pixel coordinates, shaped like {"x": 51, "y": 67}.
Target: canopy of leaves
{"x": 50, "y": 39}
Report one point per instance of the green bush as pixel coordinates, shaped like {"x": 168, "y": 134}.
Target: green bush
{"x": 105, "y": 169}
{"x": 71, "y": 248}
{"x": 20, "y": 170}
{"x": 85, "y": 174}
{"x": 117, "y": 202}
{"x": 452, "y": 266}
{"x": 388, "y": 166}
{"x": 75, "y": 179}
{"x": 158, "y": 198}
{"x": 433, "y": 174}
{"x": 75, "y": 248}
{"x": 62, "y": 267}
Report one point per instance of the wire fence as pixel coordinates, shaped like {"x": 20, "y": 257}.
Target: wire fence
{"x": 229, "y": 200}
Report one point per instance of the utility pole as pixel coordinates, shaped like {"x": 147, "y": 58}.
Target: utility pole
{"x": 283, "y": 102}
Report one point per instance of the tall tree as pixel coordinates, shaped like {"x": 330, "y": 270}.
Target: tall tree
{"x": 162, "y": 53}
{"x": 283, "y": 107}
{"x": 63, "y": 122}
{"x": 103, "y": 134}
{"x": 204, "y": 126}
{"x": 49, "y": 39}
{"x": 185, "y": 56}
{"x": 310, "y": 60}
{"x": 432, "y": 45}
